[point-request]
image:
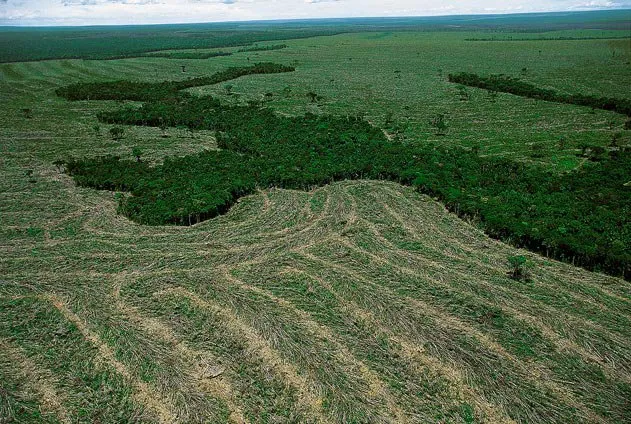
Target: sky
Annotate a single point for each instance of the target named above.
(99, 12)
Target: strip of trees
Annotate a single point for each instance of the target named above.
(147, 91)
(512, 85)
(257, 48)
(582, 217)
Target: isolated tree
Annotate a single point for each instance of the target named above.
(117, 133)
(463, 93)
(519, 268)
(228, 88)
(438, 122)
(97, 129)
(137, 152)
(313, 96)
(27, 112)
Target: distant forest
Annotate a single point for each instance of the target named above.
(21, 44)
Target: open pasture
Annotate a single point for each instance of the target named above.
(358, 301)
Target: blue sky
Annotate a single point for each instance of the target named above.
(95, 12)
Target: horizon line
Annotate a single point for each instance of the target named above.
(337, 18)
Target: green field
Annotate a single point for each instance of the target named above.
(357, 301)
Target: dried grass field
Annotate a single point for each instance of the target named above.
(356, 302)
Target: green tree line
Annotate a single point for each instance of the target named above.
(512, 85)
(581, 217)
(257, 48)
(145, 91)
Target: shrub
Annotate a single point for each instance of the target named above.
(438, 122)
(117, 133)
(519, 267)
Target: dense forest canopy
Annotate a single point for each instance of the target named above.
(101, 42)
(580, 216)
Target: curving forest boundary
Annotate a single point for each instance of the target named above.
(512, 85)
(145, 91)
(580, 217)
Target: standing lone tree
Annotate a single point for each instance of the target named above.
(117, 133)
(313, 96)
(438, 122)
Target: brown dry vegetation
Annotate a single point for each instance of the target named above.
(356, 302)
(359, 301)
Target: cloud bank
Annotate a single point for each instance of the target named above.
(98, 12)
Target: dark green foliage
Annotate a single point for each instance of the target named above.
(146, 91)
(189, 55)
(545, 38)
(257, 48)
(25, 44)
(582, 216)
(506, 84)
(117, 133)
(439, 124)
(518, 267)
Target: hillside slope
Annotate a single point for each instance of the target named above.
(357, 302)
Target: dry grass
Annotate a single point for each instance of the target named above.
(356, 302)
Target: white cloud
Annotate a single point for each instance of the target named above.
(82, 12)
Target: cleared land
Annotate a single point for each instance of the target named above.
(359, 301)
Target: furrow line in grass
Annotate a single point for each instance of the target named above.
(37, 379)
(310, 400)
(378, 388)
(561, 342)
(450, 322)
(145, 395)
(460, 388)
(566, 391)
(217, 386)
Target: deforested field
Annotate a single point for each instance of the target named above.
(354, 292)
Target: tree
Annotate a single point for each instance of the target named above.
(313, 96)
(137, 153)
(438, 122)
(519, 268)
(27, 112)
(117, 133)
(163, 127)
(463, 93)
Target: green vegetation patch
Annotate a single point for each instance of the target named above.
(144, 91)
(512, 85)
(516, 201)
(257, 48)
(189, 55)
